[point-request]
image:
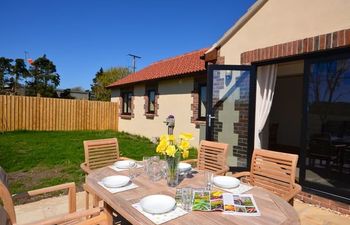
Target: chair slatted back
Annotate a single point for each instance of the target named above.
(100, 153)
(274, 171)
(7, 212)
(212, 156)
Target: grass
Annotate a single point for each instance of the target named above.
(36, 159)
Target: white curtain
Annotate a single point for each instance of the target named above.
(265, 88)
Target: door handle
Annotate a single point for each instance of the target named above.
(210, 117)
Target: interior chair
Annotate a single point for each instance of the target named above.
(274, 171)
(212, 156)
(99, 153)
(95, 216)
(321, 147)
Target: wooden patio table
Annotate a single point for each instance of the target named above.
(273, 209)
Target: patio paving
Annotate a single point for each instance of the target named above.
(309, 215)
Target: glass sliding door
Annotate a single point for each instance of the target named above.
(327, 141)
(228, 111)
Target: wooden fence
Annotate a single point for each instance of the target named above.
(35, 113)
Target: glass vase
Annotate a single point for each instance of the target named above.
(172, 172)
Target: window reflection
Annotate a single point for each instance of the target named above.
(328, 156)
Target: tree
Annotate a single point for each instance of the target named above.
(104, 78)
(43, 78)
(5, 69)
(66, 94)
(19, 71)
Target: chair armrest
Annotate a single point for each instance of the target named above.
(222, 172)
(97, 217)
(193, 162)
(189, 161)
(71, 193)
(296, 189)
(123, 158)
(85, 168)
(241, 174)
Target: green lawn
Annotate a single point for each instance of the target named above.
(37, 159)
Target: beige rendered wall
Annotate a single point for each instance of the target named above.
(174, 99)
(280, 21)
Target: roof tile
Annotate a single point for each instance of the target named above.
(171, 67)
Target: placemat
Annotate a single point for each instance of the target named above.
(238, 190)
(120, 189)
(161, 218)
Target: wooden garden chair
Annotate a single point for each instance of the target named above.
(274, 171)
(212, 156)
(99, 153)
(95, 216)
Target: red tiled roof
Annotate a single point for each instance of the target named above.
(171, 67)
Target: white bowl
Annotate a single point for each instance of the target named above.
(124, 164)
(183, 167)
(115, 181)
(157, 204)
(226, 181)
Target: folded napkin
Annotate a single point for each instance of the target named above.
(120, 170)
(238, 190)
(119, 189)
(161, 218)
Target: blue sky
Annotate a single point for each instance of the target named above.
(80, 36)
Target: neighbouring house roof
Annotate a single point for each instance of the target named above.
(238, 25)
(177, 66)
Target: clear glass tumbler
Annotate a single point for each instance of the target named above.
(208, 179)
(187, 198)
(132, 169)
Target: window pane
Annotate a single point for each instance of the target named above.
(151, 100)
(125, 103)
(129, 102)
(328, 157)
(203, 100)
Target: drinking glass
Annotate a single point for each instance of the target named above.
(208, 179)
(186, 198)
(145, 161)
(132, 169)
(155, 171)
(163, 167)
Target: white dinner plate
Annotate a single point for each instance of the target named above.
(183, 167)
(124, 164)
(115, 181)
(226, 181)
(157, 204)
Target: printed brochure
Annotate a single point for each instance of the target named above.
(229, 203)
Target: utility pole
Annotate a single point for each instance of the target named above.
(134, 57)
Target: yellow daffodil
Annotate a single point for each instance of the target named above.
(184, 145)
(186, 136)
(171, 150)
(163, 137)
(168, 145)
(162, 146)
(171, 137)
(185, 154)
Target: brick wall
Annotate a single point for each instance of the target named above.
(241, 127)
(195, 96)
(218, 84)
(307, 45)
(324, 202)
